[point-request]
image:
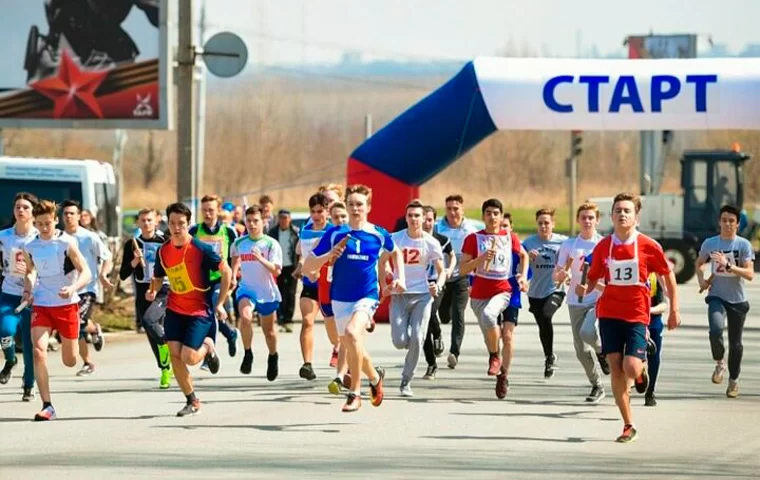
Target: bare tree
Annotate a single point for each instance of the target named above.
(153, 163)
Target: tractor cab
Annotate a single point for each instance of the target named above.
(710, 179)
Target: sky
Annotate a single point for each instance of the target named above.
(281, 32)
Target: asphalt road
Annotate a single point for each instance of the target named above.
(118, 424)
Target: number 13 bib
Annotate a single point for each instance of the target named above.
(624, 273)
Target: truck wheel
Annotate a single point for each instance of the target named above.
(684, 259)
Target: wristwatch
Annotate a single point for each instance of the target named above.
(728, 267)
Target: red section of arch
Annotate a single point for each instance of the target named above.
(389, 198)
(389, 195)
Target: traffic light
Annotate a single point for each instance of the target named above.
(667, 136)
(576, 142)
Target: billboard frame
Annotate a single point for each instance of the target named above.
(165, 120)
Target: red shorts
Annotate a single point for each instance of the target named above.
(64, 318)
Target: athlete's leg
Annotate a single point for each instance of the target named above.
(245, 308)
(653, 361)
(419, 318)
(400, 310)
(268, 322)
(40, 337)
(309, 309)
(736, 316)
(716, 315)
(26, 338)
(620, 387)
(181, 372)
(461, 295)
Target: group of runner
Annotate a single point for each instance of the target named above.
(615, 287)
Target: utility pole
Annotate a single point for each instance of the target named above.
(576, 148)
(185, 102)
(2, 143)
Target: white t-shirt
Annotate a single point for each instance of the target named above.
(54, 269)
(576, 248)
(256, 279)
(94, 251)
(14, 266)
(418, 254)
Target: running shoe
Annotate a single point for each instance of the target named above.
(406, 390)
(430, 373)
(87, 369)
(733, 388)
(353, 403)
(7, 372)
(550, 365)
(212, 360)
(642, 383)
(651, 347)
(438, 346)
(650, 400)
(336, 387)
(376, 391)
(334, 358)
(307, 372)
(47, 413)
(273, 368)
(502, 385)
(629, 434)
(232, 342)
(191, 408)
(28, 395)
(603, 363)
(98, 340)
(719, 372)
(596, 395)
(247, 365)
(453, 360)
(166, 378)
(494, 365)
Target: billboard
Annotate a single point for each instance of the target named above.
(662, 46)
(85, 64)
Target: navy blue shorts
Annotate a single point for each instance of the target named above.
(619, 336)
(327, 310)
(510, 315)
(189, 331)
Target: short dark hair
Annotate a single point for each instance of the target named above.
(337, 204)
(253, 210)
(415, 204)
(733, 210)
(492, 203)
(508, 216)
(628, 197)
(71, 203)
(180, 209)
(265, 199)
(429, 208)
(454, 198)
(545, 211)
(26, 196)
(318, 199)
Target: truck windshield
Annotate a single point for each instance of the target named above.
(108, 215)
(44, 190)
(726, 190)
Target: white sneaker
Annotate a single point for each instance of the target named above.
(453, 361)
(406, 390)
(719, 372)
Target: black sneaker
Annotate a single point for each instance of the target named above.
(438, 346)
(232, 343)
(596, 395)
(550, 365)
(603, 364)
(272, 368)
(642, 383)
(193, 408)
(98, 340)
(247, 365)
(651, 347)
(7, 372)
(307, 372)
(212, 360)
(430, 373)
(28, 395)
(650, 401)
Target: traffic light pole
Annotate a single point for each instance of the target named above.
(576, 149)
(185, 103)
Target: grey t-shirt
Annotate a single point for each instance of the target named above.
(726, 285)
(542, 285)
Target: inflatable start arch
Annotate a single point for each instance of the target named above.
(491, 94)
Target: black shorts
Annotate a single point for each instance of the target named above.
(510, 315)
(86, 304)
(546, 307)
(627, 338)
(310, 292)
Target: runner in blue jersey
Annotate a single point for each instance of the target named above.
(310, 236)
(355, 249)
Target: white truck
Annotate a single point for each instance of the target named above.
(681, 221)
(90, 182)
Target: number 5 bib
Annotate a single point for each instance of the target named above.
(179, 277)
(624, 273)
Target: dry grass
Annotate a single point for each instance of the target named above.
(286, 136)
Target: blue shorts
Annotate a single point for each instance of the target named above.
(619, 336)
(189, 331)
(262, 308)
(510, 315)
(327, 310)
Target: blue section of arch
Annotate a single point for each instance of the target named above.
(432, 134)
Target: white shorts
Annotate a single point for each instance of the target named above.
(343, 312)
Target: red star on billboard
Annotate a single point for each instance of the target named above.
(73, 90)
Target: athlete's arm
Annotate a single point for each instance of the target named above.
(127, 269)
(30, 278)
(158, 278)
(224, 289)
(298, 272)
(671, 289)
(522, 272)
(236, 266)
(442, 274)
(85, 275)
(470, 263)
(701, 262)
(273, 268)
(746, 271)
(399, 282)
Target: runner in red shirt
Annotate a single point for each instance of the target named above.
(189, 325)
(488, 253)
(623, 262)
